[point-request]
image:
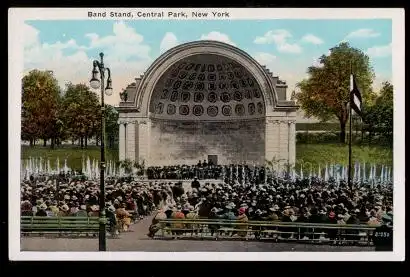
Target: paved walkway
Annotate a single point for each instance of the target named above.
(136, 240)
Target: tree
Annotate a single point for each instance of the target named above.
(378, 115)
(325, 94)
(40, 102)
(81, 112)
(111, 126)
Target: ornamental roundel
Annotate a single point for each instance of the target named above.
(240, 109)
(226, 66)
(222, 76)
(260, 107)
(212, 97)
(198, 67)
(223, 85)
(183, 110)
(250, 82)
(159, 108)
(234, 85)
(201, 77)
(189, 66)
(174, 72)
(192, 76)
(211, 68)
(182, 74)
(199, 86)
(211, 86)
(231, 76)
(212, 77)
(177, 84)
(171, 109)
(198, 110)
(198, 97)
(226, 110)
(185, 96)
(248, 94)
(174, 96)
(168, 82)
(187, 85)
(182, 65)
(251, 108)
(212, 111)
(165, 94)
(238, 73)
(225, 97)
(243, 83)
(237, 96)
(219, 67)
(256, 93)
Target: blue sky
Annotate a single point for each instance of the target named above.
(286, 47)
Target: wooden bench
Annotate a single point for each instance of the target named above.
(261, 230)
(60, 225)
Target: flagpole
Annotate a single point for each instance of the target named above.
(349, 172)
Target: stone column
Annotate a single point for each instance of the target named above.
(143, 146)
(292, 141)
(122, 141)
(136, 142)
(130, 149)
(271, 139)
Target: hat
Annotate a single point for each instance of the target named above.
(111, 208)
(43, 206)
(65, 208)
(242, 210)
(387, 218)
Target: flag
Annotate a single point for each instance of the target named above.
(355, 96)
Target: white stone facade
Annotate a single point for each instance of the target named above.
(271, 136)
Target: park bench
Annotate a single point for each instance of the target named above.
(41, 225)
(265, 230)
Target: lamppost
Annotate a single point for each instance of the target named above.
(95, 83)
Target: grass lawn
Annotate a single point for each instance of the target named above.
(73, 154)
(338, 154)
(313, 154)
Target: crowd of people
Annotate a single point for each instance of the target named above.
(206, 170)
(275, 199)
(283, 200)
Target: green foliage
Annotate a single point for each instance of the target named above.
(320, 126)
(111, 126)
(81, 111)
(127, 165)
(378, 115)
(326, 137)
(325, 94)
(40, 106)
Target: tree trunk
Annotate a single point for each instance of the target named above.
(342, 131)
(45, 142)
(31, 143)
(97, 141)
(82, 142)
(72, 141)
(52, 143)
(85, 141)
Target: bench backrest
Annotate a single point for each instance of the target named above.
(269, 224)
(61, 221)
